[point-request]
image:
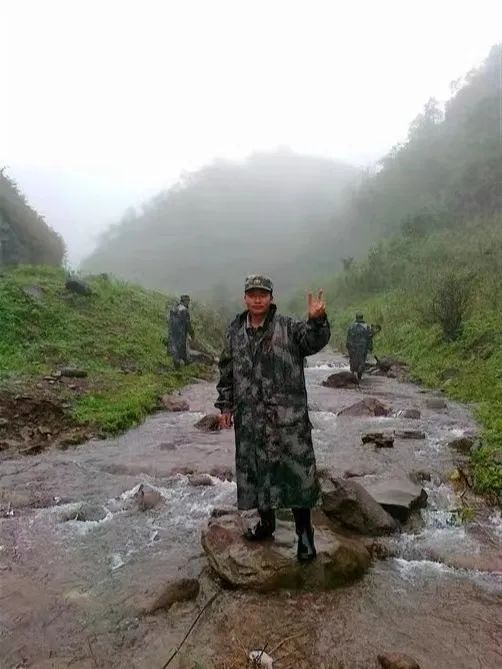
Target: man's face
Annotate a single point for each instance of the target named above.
(258, 301)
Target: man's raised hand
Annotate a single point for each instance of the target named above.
(316, 305)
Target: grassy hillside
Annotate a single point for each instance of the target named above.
(412, 286)
(115, 335)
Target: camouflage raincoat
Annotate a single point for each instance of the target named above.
(180, 326)
(359, 341)
(262, 382)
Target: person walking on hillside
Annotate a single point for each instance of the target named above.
(261, 391)
(180, 326)
(359, 342)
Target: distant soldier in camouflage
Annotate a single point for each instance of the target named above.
(262, 392)
(359, 342)
(180, 327)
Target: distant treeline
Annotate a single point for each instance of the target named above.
(24, 235)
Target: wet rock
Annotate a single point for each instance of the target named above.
(173, 403)
(409, 413)
(341, 380)
(419, 476)
(272, 565)
(220, 511)
(78, 287)
(209, 423)
(147, 498)
(369, 406)
(378, 439)
(201, 480)
(410, 434)
(350, 504)
(386, 364)
(182, 590)
(462, 445)
(436, 403)
(73, 373)
(356, 472)
(399, 497)
(33, 449)
(380, 548)
(397, 661)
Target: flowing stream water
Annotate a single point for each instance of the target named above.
(78, 555)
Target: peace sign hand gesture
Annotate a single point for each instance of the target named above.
(317, 305)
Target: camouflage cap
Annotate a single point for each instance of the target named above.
(185, 298)
(259, 282)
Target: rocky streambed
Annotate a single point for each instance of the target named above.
(101, 562)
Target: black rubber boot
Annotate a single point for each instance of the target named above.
(306, 548)
(264, 529)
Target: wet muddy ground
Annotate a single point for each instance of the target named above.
(82, 555)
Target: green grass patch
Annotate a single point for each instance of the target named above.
(117, 335)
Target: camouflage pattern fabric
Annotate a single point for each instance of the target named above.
(358, 344)
(262, 382)
(180, 327)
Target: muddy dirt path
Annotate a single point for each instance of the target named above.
(81, 558)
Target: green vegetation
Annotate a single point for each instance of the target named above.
(24, 235)
(432, 219)
(116, 335)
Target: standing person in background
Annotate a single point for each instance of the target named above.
(262, 392)
(180, 326)
(359, 340)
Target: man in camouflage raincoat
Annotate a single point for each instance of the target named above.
(359, 342)
(180, 326)
(262, 392)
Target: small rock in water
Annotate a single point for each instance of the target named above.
(462, 445)
(370, 406)
(436, 403)
(183, 590)
(209, 423)
(409, 413)
(410, 434)
(148, 498)
(379, 439)
(259, 658)
(397, 496)
(201, 480)
(420, 476)
(397, 661)
(351, 505)
(173, 403)
(341, 380)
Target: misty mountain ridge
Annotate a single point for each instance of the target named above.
(226, 220)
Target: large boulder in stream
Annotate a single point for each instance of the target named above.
(369, 406)
(349, 504)
(272, 565)
(399, 497)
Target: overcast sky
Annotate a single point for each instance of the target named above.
(105, 102)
